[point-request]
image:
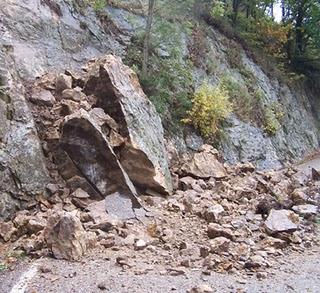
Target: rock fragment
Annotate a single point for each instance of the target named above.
(281, 221)
(214, 213)
(201, 289)
(43, 98)
(215, 230)
(204, 165)
(65, 236)
(119, 93)
(7, 229)
(306, 210)
(63, 82)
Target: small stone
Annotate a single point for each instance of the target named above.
(299, 197)
(80, 193)
(254, 262)
(107, 243)
(44, 269)
(185, 183)
(140, 244)
(261, 275)
(201, 289)
(219, 244)
(52, 188)
(63, 82)
(75, 94)
(43, 98)
(204, 251)
(176, 271)
(216, 230)
(102, 286)
(7, 229)
(214, 213)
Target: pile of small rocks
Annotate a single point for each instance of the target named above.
(223, 218)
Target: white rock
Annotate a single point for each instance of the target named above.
(282, 221)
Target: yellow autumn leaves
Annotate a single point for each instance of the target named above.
(210, 106)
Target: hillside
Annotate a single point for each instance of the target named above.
(161, 134)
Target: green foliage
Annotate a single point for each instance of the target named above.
(218, 9)
(271, 124)
(272, 118)
(97, 5)
(246, 100)
(210, 106)
(3, 267)
(168, 83)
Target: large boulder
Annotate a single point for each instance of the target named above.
(84, 141)
(119, 93)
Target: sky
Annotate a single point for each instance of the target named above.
(277, 11)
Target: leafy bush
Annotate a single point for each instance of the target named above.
(273, 117)
(210, 106)
(245, 99)
(97, 5)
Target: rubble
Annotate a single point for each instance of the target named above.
(103, 171)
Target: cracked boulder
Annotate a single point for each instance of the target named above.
(119, 93)
(85, 143)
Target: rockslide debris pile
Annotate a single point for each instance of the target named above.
(102, 139)
(100, 133)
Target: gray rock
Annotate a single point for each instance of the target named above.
(194, 142)
(306, 210)
(88, 148)
(22, 165)
(119, 93)
(44, 98)
(281, 221)
(214, 213)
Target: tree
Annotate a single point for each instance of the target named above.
(146, 43)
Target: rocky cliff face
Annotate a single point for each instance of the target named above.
(37, 37)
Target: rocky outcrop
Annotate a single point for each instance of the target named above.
(118, 92)
(22, 168)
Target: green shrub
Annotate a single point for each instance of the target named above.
(271, 123)
(210, 106)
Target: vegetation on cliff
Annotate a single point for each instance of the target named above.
(280, 36)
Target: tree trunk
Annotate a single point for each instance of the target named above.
(235, 8)
(146, 43)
